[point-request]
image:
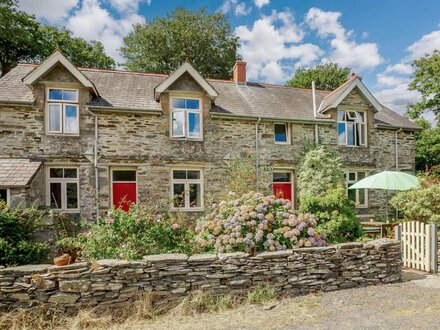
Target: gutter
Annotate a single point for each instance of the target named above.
(257, 165)
(95, 160)
(134, 110)
(315, 113)
(18, 102)
(381, 126)
(299, 121)
(397, 148)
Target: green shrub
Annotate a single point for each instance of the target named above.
(254, 222)
(17, 230)
(320, 168)
(334, 214)
(145, 229)
(421, 204)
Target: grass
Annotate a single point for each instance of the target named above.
(136, 312)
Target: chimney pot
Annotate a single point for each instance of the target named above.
(239, 72)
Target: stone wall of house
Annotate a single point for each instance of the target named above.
(142, 141)
(172, 276)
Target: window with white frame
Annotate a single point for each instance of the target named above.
(62, 111)
(4, 195)
(186, 118)
(187, 189)
(281, 133)
(63, 184)
(359, 196)
(352, 128)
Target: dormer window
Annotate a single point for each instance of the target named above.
(62, 115)
(352, 128)
(186, 118)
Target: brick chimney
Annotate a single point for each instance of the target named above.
(239, 74)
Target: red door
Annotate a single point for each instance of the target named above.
(124, 188)
(283, 190)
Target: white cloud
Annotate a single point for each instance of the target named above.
(344, 49)
(424, 45)
(93, 22)
(271, 47)
(52, 11)
(127, 6)
(239, 8)
(397, 98)
(261, 3)
(400, 68)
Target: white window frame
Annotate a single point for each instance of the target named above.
(121, 168)
(8, 195)
(357, 125)
(187, 182)
(186, 113)
(348, 181)
(288, 139)
(292, 181)
(63, 182)
(63, 105)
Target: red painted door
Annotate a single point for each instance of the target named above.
(283, 190)
(124, 194)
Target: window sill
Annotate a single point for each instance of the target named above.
(195, 209)
(348, 146)
(186, 139)
(62, 134)
(65, 211)
(282, 143)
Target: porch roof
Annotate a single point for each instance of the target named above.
(17, 172)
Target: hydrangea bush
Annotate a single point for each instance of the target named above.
(255, 222)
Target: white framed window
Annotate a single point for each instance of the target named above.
(359, 196)
(281, 133)
(62, 111)
(186, 118)
(282, 184)
(352, 128)
(63, 188)
(187, 189)
(5, 195)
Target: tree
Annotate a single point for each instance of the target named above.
(428, 149)
(426, 80)
(320, 168)
(163, 44)
(20, 36)
(327, 76)
(24, 39)
(79, 51)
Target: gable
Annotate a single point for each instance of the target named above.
(57, 58)
(188, 69)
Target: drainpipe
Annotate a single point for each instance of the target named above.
(95, 160)
(397, 148)
(314, 112)
(257, 165)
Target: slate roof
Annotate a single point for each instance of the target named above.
(135, 90)
(17, 172)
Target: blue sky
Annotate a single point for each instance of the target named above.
(377, 39)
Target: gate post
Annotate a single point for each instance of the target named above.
(434, 249)
(398, 232)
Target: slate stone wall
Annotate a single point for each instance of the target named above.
(173, 276)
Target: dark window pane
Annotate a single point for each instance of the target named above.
(352, 176)
(178, 103)
(193, 174)
(55, 195)
(280, 133)
(281, 177)
(361, 175)
(179, 195)
(195, 196)
(350, 134)
(55, 94)
(56, 172)
(341, 133)
(124, 175)
(72, 195)
(352, 194)
(194, 124)
(4, 195)
(70, 173)
(179, 174)
(192, 104)
(362, 199)
(69, 95)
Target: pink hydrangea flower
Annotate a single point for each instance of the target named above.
(110, 221)
(175, 226)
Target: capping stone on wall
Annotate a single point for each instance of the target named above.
(172, 276)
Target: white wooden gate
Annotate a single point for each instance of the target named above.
(417, 245)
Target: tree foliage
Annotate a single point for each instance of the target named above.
(327, 76)
(426, 80)
(428, 148)
(163, 44)
(24, 39)
(320, 168)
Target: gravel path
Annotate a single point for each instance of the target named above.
(413, 304)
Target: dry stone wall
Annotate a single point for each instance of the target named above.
(173, 276)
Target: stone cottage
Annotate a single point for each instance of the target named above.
(80, 140)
